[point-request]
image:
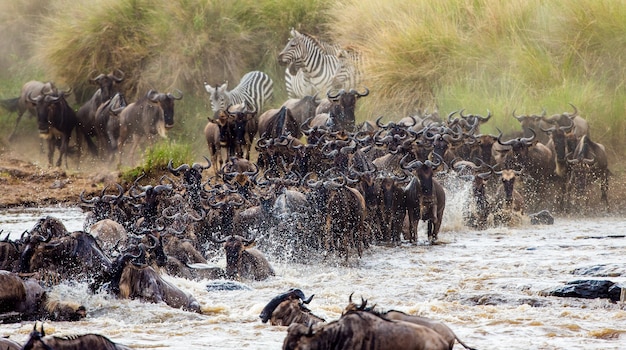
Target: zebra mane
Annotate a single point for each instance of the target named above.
(327, 48)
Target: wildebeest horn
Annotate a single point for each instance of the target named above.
(179, 97)
(334, 97)
(118, 78)
(528, 140)
(367, 92)
(199, 167)
(88, 201)
(451, 114)
(33, 100)
(575, 111)
(98, 77)
(153, 95)
(506, 143)
(176, 172)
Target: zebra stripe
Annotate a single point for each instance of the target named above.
(320, 66)
(254, 89)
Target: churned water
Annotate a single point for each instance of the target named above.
(486, 285)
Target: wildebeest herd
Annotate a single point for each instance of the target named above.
(322, 186)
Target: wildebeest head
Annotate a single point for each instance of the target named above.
(234, 246)
(166, 101)
(266, 314)
(346, 100)
(508, 176)
(107, 81)
(47, 107)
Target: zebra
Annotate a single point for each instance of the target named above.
(254, 89)
(315, 66)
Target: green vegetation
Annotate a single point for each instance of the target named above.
(156, 158)
(497, 55)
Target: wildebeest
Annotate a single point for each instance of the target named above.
(107, 84)
(21, 104)
(56, 121)
(339, 109)
(363, 330)
(288, 308)
(8, 344)
(131, 278)
(76, 255)
(107, 125)
(27, 300)
(212, 136)
(432, 197)
(274, 123)
(341, 211)
(9, 253)
(443, 330)
(589, 163)
(243, 261)
(39, 341)
(151, 115)
(302, 108)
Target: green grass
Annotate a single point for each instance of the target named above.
(156, 158)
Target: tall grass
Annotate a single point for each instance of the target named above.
(521, 55)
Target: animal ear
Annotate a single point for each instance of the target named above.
(208, 88)
(223, 86)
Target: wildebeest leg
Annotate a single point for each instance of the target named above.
(17, 122)
(63, 151)
(51, 146)
(414, 218)
(604, 187)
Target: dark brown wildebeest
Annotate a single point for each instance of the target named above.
(589, 163)
(27, 300)
(212, 136)
(245, 125)
(107, 126)
(363, 330)
(76, 256)
(151, 115)
(532, 122)
(243, 261)
(275, 123)
(56, 121)
(302, 108)
(443, 330)
(39, 341)
(21, 104)
(345, 103)
(341, 211)
(288, 308)
(580, 127)
(9, 253)
(132, 279)
(108, 87)
(507, 197)
(432, 197)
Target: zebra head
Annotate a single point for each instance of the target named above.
(293, 51)
(220, 98)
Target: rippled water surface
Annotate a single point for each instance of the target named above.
(484, 284)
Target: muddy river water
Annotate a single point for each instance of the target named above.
(486, 285)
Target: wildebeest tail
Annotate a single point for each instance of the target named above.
(10, 104)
